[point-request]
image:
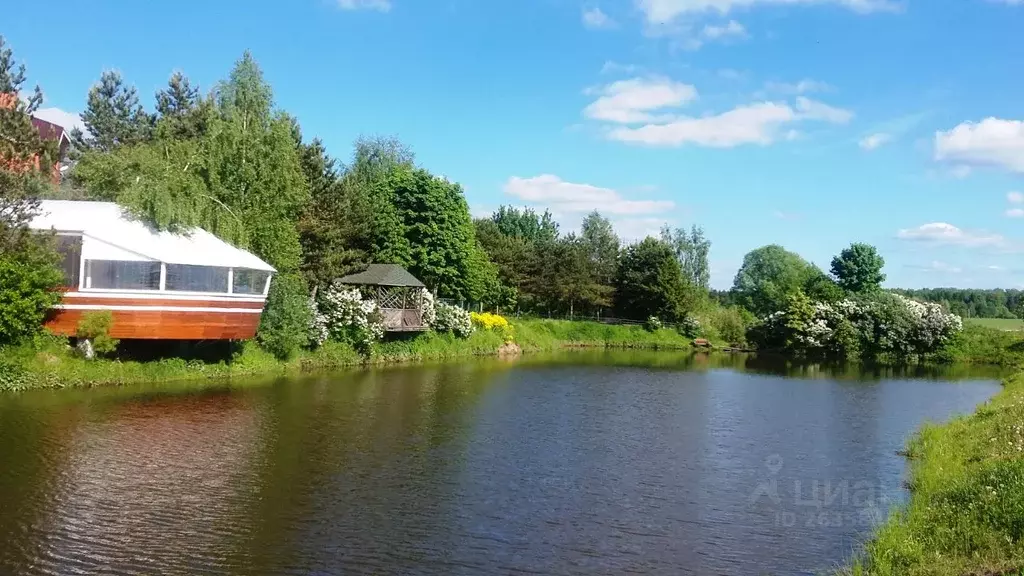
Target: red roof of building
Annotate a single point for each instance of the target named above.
(48, 130)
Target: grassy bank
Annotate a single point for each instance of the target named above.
(1014, 324)
(51, 365)
(978, 344)
(966, 510)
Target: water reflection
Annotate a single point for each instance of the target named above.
(590, 463)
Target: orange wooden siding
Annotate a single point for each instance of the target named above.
(179, 319)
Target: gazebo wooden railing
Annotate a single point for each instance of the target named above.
(398, 293)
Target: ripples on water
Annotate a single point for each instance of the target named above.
(604, 463)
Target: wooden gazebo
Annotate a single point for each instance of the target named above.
(398, 293)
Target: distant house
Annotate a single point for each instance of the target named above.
(158, 285)
(48, 131)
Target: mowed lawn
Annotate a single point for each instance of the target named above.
(998, 323)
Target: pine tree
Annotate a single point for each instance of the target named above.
(181, 112)
(113, 116)
(24, 156)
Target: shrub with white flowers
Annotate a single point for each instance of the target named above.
(886, 324)
(318, 330)
(350, 318)
(452, 319)
(428, 310)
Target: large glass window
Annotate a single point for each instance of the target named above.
(188, 278)
(123, 274)
(70, 250)
(248, 281)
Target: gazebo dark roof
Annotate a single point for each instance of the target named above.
(383, 275)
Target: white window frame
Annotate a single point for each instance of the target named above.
(85, 286)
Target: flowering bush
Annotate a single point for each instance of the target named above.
(653, 323)
(452, 319)
(428, 310)
(350, 318)
(689, 327)
(488, 321)
(888, 324)
(318, 329)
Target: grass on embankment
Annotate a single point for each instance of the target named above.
(966, 509)
(54, 366)
(1012, 324)
(978, 344)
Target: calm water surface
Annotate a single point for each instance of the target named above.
(609, 463)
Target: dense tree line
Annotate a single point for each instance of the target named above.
(229, 161)
(973, 303)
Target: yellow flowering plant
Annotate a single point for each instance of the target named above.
(494, 322)
(488, 321)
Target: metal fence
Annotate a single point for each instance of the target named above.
(611, 320)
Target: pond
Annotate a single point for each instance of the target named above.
(579, 463)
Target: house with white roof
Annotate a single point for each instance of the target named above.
(156, 284)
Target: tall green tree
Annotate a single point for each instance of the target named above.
(768, 276)
(24, 157)
(181, 112)
(28, 272)
(438, 230)
(113, 116)
(369, 184)
(324, 252)
(513, 258)
(573, 278)
(253, 165)
(858, 269)
(601, 245)
(242, 179)
(691, 248)
(650, 282)
(526, 223)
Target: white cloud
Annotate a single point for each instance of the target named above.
(991, 142)
(663, 11)
(611, 67)
(631, 229)
(960, 172)
(1015, 197)
(567, 197)
(638, 99)
(874, 141)
(760, 123)
(595, 19)
(947, 234)
(731, 29)
(689, 37)
(802, 87)
(1015, 212)
(378, 5)
(753, 124)
(814, 110)
(939, 266)
(66, 120)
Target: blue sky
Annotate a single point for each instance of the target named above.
(808, 123)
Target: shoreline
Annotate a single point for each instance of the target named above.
(965, 513)
(55, 368)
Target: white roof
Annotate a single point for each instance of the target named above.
(106, 229)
